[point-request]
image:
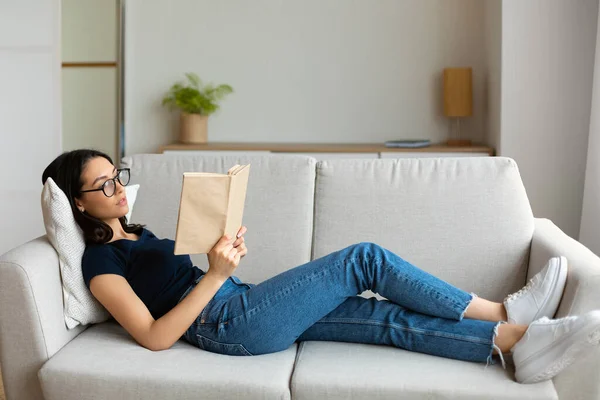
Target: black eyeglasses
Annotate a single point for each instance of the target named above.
(110, 185)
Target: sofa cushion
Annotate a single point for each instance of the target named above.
(333, 370)
(466, 220)
(278, 211)
(104, 362)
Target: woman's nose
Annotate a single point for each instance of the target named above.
(119, 188)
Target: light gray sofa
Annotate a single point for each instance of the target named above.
(467, 220)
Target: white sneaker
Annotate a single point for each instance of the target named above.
(541, 296)
(551, 345)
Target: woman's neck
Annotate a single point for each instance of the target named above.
(118, 231)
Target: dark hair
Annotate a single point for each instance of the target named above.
(66, 171)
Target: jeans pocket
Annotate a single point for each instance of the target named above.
(230, 349)
(239, 282)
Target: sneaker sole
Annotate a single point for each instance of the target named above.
(585, 339)
(548, 309)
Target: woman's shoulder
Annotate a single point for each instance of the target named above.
(97, 248)
(94, 251)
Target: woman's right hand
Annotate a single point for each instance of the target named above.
(223, 258)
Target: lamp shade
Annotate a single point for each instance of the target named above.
(458, 92)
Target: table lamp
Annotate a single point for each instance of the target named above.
(458, 101)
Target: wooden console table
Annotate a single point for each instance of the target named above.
(331, 150)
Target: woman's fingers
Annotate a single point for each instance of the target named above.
(242, 231)
(242, 250)
(238, 242)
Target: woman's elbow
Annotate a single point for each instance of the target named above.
(156, 346)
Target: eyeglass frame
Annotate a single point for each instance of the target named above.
(116, 178)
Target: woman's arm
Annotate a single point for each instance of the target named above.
(117, 296)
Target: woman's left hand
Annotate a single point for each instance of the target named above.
(239, 243)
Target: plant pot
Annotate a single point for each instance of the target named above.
(193, 128)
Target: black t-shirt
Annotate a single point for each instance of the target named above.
(157, 276)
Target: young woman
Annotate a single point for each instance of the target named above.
(159, 297)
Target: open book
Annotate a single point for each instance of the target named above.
(211, 206)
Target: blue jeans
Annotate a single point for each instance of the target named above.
(318, 301)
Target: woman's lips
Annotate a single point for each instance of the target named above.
(122, 202)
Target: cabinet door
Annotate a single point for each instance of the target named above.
(427, 155)
(89, 98)
(90, 102)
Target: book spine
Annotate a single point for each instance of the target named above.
(177, 249)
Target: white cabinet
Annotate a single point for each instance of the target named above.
(217, 152)
(400, 154)
(329, 156)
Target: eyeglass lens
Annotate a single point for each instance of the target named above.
(109, 186)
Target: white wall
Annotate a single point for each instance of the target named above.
(29, 112)
(590, 217)
(303, 71)
(547, 68)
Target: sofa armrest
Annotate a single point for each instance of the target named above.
(32, 327)
(582, 294)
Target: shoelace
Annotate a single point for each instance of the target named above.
(523, 290)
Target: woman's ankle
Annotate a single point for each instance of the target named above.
(486, 310)
(508, 335)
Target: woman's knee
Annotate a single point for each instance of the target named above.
(368, 246)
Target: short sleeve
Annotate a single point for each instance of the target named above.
(101, 259)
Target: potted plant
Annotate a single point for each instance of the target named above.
(196, 102)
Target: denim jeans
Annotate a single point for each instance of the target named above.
(318, 301)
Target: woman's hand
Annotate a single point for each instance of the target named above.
(240, 244)
(223, 258)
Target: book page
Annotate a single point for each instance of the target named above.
(237, 199)
(239, 168)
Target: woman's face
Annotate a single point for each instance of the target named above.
(97, 171)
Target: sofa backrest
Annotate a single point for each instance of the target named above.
(466, 220)
(278, 210)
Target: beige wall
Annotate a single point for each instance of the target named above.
(590, 217)
(547, 72)
(29, 113)
(303, 71)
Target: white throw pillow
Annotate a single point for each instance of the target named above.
(131, 193)
(80, 306)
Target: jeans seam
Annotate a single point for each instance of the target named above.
(240, 346)
(424, 285)
(409, 282)
(470, 339)
(286, 290)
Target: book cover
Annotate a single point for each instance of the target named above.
(211, 206)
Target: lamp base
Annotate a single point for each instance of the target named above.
(458, 142)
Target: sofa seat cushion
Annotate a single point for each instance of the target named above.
(334, 370)
(104, 362)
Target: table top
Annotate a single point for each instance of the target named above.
(325, 147)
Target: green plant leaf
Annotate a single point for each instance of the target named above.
(194, 80)
(194, 98)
